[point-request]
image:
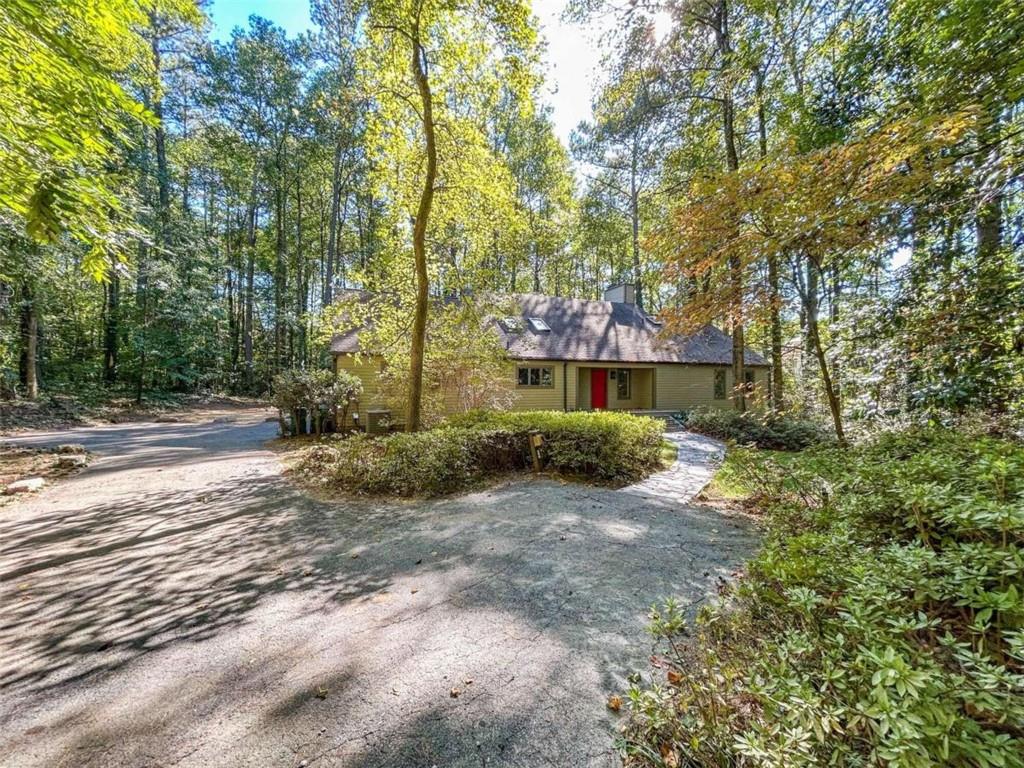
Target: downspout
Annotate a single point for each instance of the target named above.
(565, 386)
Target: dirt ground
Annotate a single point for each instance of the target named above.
(55, 411)
(181, 603)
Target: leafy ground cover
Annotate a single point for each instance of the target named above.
(763, 429)
(882, 623)
(609, 448)
(736, 480)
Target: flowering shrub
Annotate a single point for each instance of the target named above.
(882, 623)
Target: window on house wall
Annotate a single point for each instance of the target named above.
(721, 392)
(535, 376)
(748, 380)
(624, 384)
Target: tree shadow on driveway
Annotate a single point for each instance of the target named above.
(198, 626)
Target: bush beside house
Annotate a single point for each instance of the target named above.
(763, 429)
(614, 448)
(321, 397)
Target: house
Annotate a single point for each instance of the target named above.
(575, 354)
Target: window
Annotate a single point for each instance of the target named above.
(535, 376)
(539, 325)
(720, 388)
(748, 380)
(622, 382)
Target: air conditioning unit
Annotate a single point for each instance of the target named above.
(378, 421)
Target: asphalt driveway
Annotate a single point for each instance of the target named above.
(179, 603)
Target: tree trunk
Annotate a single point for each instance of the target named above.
(280, 275)
(826, 377)
(989, 222)
(811, 305)
(247, 299)
(159, 134)
(774, 294)
(111, 326)
(634, 212)
(332, 237)
(732, 160)
(300, 272)
(419, 237)
(778, 398)
(29, 342)
(229, 293)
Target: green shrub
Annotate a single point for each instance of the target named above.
(605, 447)
(765, 430)
(320, 394)
(882, 623)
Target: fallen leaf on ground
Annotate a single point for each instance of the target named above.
(674, 677)
(468, 681)
(454, 693)
(321, 692)
(614, 703)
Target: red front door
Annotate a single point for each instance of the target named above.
(598, 387)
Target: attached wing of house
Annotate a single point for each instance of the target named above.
(576, 354)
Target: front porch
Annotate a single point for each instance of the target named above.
(627, 388)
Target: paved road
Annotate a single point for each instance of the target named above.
(179, 603)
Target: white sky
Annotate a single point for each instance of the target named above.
(573, 55)
(573, 66)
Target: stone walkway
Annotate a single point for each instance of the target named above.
(697, 457)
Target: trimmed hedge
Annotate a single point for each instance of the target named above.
(765, 430)
(614, 448)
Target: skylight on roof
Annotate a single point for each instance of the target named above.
(539, 325)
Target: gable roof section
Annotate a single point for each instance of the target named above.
(595, 331)
(605, 331)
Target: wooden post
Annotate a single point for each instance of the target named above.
(536, 441)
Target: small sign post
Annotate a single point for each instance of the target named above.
(536, 441)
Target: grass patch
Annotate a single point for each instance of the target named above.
(669, 452)
(737, 477)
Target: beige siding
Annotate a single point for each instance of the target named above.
(640, 396)
(539, 398)
(689, 386)
(665, 387)
(639, 391)
(367, 368)
(583, 388)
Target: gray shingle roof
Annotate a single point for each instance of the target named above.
(595, 331)
(605, 331)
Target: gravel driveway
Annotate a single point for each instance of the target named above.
(180, 604)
